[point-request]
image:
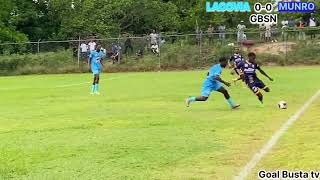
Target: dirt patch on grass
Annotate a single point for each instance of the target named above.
(274, 48)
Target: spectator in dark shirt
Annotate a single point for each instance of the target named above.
(128, 45)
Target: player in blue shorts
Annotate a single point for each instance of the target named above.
(250, 77)
(214, 83)
(95, 62)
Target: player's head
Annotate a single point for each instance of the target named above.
(236, 50)
(98, 48)
(252, 57)
(223, 62)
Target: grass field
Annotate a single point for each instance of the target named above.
(139, 128)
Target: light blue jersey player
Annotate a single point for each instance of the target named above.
(95, 62)
(214, 83)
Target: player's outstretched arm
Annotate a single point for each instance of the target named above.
(265, 74)
(218, 78)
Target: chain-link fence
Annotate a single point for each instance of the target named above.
(276, 46)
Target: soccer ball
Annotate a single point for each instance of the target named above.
(282, 105)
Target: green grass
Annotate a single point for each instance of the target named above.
(139, 128)
(299, 148)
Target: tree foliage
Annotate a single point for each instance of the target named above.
(22, 20)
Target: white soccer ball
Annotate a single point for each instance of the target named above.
(283, 105)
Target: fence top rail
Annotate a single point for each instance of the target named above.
(161, 35)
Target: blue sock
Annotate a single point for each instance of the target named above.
(93, 87)
(96, 89)
(192, 99)
(230, 102)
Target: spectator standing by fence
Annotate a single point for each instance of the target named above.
(210, 32)
(222, 32)
(198, 36)
(84, 50)
(115, 49)
(292, 26)
(128, 45)
(262, 32)
(154, 38)
(92, 45)
(274, 33)
(241, 28)
(302, 34)
(312, 25)
(268, 32)
(284, 30)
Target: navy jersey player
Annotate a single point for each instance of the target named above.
(214, 83)
(95, 62)
(250, 77)
(236, 59)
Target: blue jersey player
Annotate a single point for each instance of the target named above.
(250, 77)
(214, 83)
(95, 62)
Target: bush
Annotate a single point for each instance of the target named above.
(58, 62)
(176, 56)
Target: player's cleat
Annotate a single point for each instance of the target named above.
(91, 93)
(97, 93)
(236, 106)
(188, 102)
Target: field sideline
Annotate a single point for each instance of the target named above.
(139, 128)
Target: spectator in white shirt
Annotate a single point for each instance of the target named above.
(154, 38)
(285, 27)
(312, 24)
(84, 50)
(222, 32)
(92, 45)
(262, 31)
(241, 27)
(268, 32)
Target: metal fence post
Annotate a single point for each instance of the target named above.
(286, 56)
(39, 45)
(159, 64)
(119, 49)
(159, 40)
(200, 44)
(79, 51)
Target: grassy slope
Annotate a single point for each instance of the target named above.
(138, 128)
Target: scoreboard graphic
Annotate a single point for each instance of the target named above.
(262, 13)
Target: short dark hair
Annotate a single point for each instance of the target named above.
(223, 59)
(251, 54)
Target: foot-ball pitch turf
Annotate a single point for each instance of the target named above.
(139, 128)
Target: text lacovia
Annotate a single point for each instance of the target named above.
(231, 6)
